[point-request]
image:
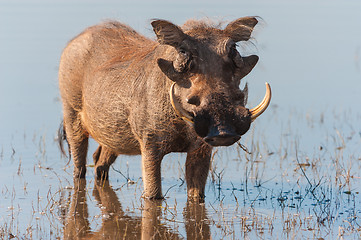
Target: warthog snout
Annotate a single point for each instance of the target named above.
(226, 130)
(224, 137)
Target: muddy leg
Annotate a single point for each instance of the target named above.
(78, 140)
(151, 163)
(103, 158)
(197, 168)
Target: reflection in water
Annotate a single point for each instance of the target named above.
(197, 226)
(117, 225)
(77, 225)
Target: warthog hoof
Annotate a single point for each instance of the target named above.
(102, 172)
(194, 195)
(79, 172)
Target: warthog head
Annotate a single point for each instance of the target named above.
(206, 69)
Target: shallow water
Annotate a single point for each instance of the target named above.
(309, 53)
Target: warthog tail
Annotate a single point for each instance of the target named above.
(61, 139)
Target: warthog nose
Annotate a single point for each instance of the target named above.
(215, 138)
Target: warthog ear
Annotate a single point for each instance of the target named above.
(248, 64)
(241, 29)
(168, 33)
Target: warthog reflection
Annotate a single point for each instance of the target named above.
(118, 225)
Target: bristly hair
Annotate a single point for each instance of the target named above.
(202, 29)
(208, 27)
(125, 44)
(203, 23)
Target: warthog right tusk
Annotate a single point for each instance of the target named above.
(178, 108)
(257, 111)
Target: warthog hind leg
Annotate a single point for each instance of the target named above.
(78, 140)
(103, 158)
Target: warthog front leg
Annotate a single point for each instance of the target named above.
(103, 158)
(151, 164)
(197, 168)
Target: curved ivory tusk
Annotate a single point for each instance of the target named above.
(178, 108)
(257, 111)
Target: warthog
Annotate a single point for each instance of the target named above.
(134, 96)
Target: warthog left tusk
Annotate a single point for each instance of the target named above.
(178, 108)
(257, 111)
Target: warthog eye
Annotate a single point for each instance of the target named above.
(183, 52)
(235, 56)
(239, 98)
(233, 51)
(182, 62)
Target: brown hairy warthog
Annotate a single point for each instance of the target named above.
(138, 96)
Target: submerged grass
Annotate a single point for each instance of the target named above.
(300, 180)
